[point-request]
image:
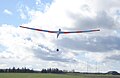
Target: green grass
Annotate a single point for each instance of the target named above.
(39, 75)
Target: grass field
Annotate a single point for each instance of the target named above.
(38, 75)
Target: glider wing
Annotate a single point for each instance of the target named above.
(59, 31)
(79, 31)
(39, 29)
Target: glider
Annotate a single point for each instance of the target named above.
(59, 31)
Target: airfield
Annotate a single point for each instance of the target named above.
(42, 75)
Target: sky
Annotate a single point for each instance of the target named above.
(92, 52)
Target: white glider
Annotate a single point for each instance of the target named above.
(59, 31)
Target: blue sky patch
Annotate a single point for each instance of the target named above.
(10, 14)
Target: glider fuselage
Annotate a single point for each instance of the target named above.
(58, 33)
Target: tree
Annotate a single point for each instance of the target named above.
(113, 72)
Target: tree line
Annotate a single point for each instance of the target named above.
(27, 70)
(53, 70)
(50, 70)
(17, 70)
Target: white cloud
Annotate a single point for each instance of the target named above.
(76, 14)
(23, 47)
(23, 11)
(38, 2)
(7, 12)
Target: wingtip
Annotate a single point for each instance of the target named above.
(20, 26)
(98, 30)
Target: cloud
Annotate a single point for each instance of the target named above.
(46, 54)
(85, 15)
(114, 57)
(21, 46)
(38, 2)
(92, 44)
(22, 10)
(7, 12)
(101, 20)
